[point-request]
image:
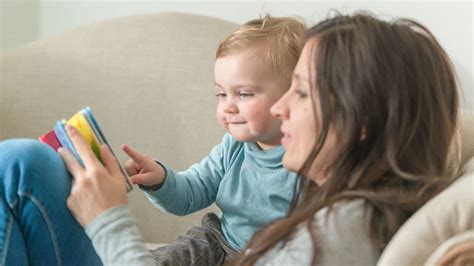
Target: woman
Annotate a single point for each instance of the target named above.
(367, 124)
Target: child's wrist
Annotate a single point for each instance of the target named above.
(157, 186)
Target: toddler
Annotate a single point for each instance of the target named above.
(243, 174)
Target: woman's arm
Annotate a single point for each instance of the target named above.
(117, 240)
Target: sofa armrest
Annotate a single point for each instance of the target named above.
(448, 214)
(458, 250)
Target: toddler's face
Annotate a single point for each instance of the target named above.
(246, 89)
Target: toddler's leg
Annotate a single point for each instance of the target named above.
(36, 226)
(203, 245)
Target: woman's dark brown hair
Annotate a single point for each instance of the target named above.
(390, 92)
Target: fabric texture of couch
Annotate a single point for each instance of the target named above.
(148, 79)
(440, 225)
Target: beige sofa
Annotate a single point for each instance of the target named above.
(148, 79)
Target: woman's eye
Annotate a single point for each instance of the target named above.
(301, 94)
(220, 95)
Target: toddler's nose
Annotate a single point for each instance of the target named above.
(230, 107)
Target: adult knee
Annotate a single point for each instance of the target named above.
(25, 151)
(28, 165)
(28, 156)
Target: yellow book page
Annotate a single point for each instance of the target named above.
(80, 123)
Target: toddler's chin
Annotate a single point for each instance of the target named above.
(243, 137)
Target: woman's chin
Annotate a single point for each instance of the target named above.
(289, 164)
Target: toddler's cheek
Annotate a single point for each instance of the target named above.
(222, 123)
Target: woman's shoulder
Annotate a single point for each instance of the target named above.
(343, 238)
(342, 216)
(347, 210)
(344, 234)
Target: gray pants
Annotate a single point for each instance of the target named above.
(201, 245)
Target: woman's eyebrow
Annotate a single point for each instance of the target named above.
(300, 79)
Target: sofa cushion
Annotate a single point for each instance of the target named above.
(448, 214)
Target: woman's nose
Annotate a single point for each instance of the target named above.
(279, 110)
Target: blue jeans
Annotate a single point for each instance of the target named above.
(36, 227)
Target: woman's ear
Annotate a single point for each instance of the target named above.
(453, 161)
(363, 133)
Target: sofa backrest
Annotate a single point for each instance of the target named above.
(148, 80)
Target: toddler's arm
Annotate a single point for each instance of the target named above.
(191, 190)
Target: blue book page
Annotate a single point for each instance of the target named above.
(87, 113)
(64, 139)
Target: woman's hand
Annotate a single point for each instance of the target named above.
(95, 187)
(143, 169)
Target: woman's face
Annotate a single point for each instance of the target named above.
(300, 123)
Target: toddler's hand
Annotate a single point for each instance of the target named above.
(143, 169)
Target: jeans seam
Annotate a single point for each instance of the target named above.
(8, 233)
(7, 240)
(48, 223)
(13, 204)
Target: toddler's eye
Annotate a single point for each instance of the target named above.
(243, 95)
(220, 95)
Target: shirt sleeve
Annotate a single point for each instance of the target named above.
(194, 189)
(342, 239)
(116, 238)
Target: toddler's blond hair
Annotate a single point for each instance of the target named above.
(279, 38)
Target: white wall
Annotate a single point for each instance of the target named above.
(18, 23)
(450, 21)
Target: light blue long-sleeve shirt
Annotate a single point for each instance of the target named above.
(248, 184)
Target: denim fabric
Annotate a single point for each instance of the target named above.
(36, 227)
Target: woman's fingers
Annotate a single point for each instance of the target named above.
(82, 148)
(72, 164)
(109, 161)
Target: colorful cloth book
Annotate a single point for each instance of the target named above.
(87, 125)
